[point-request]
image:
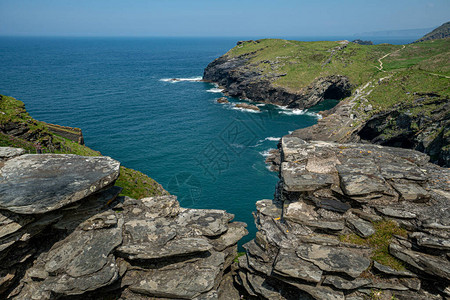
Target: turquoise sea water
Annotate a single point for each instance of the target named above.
(116, 90)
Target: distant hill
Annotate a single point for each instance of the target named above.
(396, 33)
(441, 32)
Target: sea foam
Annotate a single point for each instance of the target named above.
(175, 80)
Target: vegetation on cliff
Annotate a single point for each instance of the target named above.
(422, 67)
(399, 94)
(19, 129)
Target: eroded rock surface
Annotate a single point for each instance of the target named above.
(77, 238)
(317, 238)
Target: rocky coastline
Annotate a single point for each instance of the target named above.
(350, 220)
(241, 79)
(423, 124)
(65, 233)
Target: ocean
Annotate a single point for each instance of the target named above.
(119, 92)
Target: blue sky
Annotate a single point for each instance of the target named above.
(216, 18)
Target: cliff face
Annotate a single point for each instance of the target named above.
(351, 221)
(393, 95)
(65, 233)
(423, 125)
(242, 78)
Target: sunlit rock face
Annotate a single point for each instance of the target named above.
(65, 231)
(348, 219)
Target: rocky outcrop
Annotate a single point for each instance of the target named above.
(242, 79)
(222, 100)
(351, 221)
(71, 133)
(66, 233)
(426, 130)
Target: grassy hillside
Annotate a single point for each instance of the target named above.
(407, 71)
(13, 115)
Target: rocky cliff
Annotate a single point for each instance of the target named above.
(65, 233)
(423, 125)
(351, 221)
(242, 77)
(391, 95)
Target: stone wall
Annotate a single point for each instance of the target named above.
(72, 133)
(65, 233)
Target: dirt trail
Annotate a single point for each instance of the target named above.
(380, 60)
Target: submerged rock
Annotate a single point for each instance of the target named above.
(247, 106)
(222, 100)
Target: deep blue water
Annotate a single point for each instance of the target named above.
(208, 154)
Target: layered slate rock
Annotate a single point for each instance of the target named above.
(33, 184)
(82, 262)
(84, 241)
(317, 236)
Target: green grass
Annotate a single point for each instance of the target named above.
(10, 141)
(415, 68)
(430, 56)
(134, 183)
(406, 86)
(304, 61)
(239, 254)
(379, 242)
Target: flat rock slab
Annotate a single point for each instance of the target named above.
(362, 228)
(209, 223)
(344, 284)
(33, 183)
(180, 247)
(332, 259)
(297, 179)
(388, 270)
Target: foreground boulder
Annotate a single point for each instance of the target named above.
(32, 184)
(75, 237)
(351, 221)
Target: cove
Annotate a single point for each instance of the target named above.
(116, 90)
